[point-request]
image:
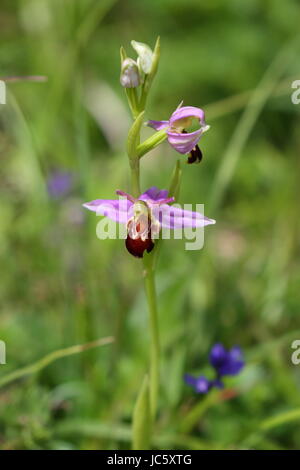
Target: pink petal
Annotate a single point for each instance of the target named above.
(119, 210)
(174, 217)
(154, 194)
(158, 125)
(184, 143)
(187, 112)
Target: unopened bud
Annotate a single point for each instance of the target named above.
(130, 77)
(145, 56)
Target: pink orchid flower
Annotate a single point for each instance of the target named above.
(145, 216)
(182, 141)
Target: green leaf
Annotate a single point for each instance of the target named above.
(53, 356)
(142, 419)
(280, 419)
(123, 54)
(155, 61)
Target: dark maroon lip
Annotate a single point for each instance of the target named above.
(138, 245)
(195, 155)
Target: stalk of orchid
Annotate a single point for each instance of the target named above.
(146, 214)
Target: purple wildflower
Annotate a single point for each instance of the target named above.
(145, 216)
(224, 362)
(59, 183)
(182, 141)
(201, 384)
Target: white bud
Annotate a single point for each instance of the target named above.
(145, 55)
(130, 77)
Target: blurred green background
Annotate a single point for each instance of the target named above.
(62, 286)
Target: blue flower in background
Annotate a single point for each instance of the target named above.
(59, 184)
(201, 384)
(224, 362)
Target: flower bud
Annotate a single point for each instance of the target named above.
(145, 56)
(130, 77)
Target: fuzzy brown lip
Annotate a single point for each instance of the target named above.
(195, 155)
(137, 246)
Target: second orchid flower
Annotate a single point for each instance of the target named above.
(176, 127)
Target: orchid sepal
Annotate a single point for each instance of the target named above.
(145, 56)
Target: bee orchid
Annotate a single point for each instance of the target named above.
(179, 138)
(145, 216)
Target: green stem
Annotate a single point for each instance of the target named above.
(140, 414)
(144, 94)
(132, 101)
(152, 142)
(154, 332)
(135, 178)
